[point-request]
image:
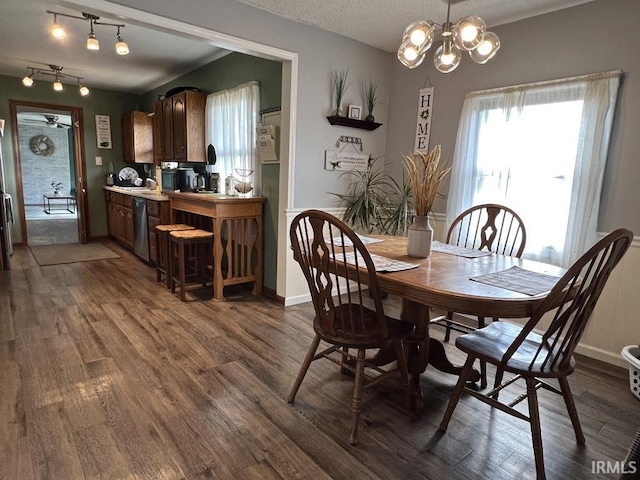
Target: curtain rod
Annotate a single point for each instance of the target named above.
(545, 83)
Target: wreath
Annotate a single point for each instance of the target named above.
(42, 145)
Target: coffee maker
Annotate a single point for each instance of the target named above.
(200, 181)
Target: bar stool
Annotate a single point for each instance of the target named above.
(162, 248)
(201, 244)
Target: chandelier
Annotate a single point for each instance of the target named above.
(467, 34)
(55, 71)
(58, 32)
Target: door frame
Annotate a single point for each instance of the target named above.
(77, 123)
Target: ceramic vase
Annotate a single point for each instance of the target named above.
(419, 237)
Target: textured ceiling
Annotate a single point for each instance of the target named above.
(380, 23)
(158, 57)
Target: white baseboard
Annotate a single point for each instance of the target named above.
(602, 355)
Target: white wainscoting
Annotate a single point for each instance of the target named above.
(616, 319)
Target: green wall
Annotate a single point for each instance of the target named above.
(228, 72)
(98, 102)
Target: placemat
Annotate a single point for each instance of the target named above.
(458, 251)
(382, 264)
(519, 280)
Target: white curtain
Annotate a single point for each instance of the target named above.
(540, 149)
(231, 121)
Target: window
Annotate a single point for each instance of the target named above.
(231, 121)
(541, 150)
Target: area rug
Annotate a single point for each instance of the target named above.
(71, 253)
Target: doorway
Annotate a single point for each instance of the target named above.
(48, 143)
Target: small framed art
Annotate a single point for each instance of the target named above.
(355, 111)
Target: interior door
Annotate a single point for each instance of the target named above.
(77, 162)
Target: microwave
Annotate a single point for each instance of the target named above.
(175, 180)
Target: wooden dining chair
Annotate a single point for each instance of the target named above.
(538, 357)
(491, 227)
(322, 245)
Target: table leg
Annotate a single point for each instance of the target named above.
(421, 351)
(218, 281)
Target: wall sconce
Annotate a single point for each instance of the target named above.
(56, 72)
(58, 32)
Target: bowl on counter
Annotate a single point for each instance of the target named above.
(243, 187)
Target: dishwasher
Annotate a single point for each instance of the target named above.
(140, 228)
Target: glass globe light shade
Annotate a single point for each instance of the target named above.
(92, 42)
(447, 57)
(487, 49)
(420, 34)
(57, 86)
(468, 32)
(27, 81)
(122, 48)
(409, 56)
(84, 91)
(57, 31)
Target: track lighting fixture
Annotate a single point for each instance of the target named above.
(58, 32)
(121, 47)
(56, 72)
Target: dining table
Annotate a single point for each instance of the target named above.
(447, 281)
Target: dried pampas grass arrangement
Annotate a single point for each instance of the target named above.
(425, 177)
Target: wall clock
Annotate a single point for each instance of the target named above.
(42, 145)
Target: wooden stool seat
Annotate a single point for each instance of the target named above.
(162, 246)
(200, 243)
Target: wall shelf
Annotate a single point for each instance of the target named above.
(353, 123)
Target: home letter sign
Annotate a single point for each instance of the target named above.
(423, 129)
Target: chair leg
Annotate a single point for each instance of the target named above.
(498, 381)
(483, 365)
(447, 333)
(536, 434)
(172, 266)
(571, 408)
(404, 372)
(457, 393)
(303, 369)
(356, 401)
(182, 268)
(344, 362)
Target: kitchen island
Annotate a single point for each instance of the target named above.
(237, 225)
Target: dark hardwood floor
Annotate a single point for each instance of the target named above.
(106, 375)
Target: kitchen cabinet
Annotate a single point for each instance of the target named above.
(120, 218)
(137, 138)
(157, 214)
(158, 133)
(179, 121)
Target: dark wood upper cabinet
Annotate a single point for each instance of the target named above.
(137, 137)
(158, 137)
(181, 127)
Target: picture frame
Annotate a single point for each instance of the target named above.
(355, 112)
(103, 131)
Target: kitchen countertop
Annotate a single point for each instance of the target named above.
(215, 197)
(142, 192)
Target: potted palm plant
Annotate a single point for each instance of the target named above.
(375, 202)
(425, 176)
